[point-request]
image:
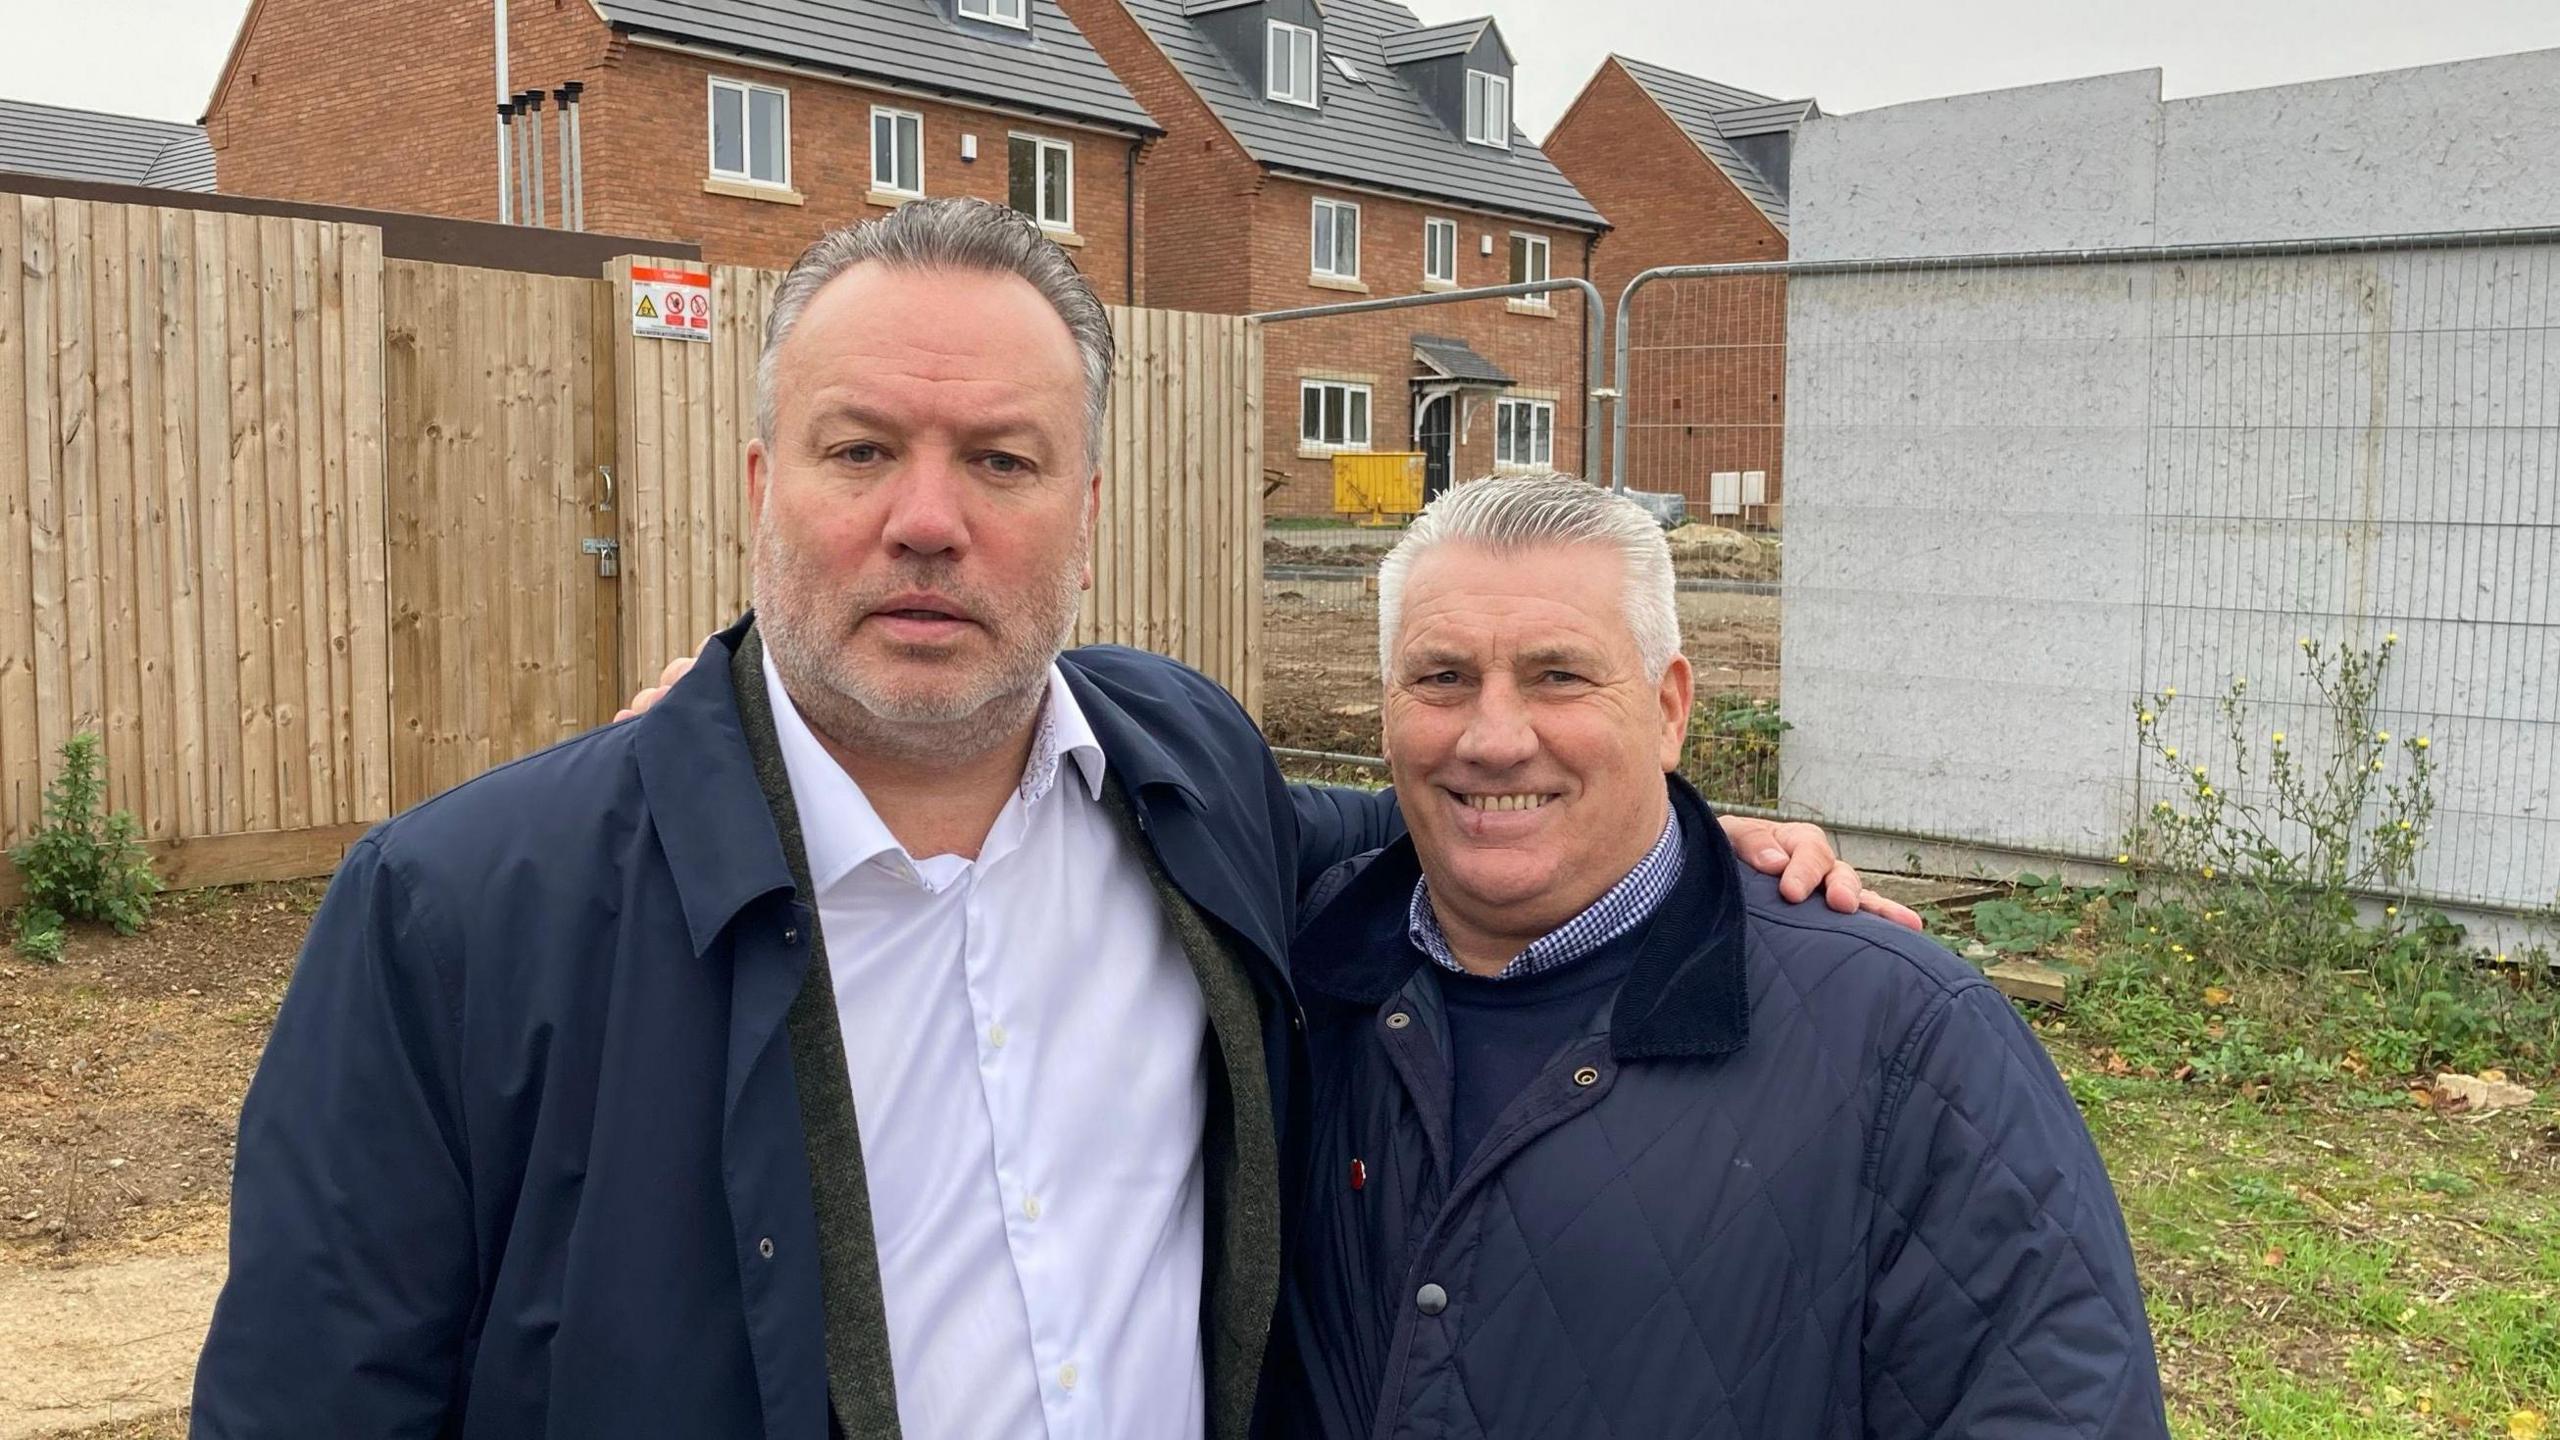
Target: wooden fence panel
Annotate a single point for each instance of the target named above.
(182, 413)
(1177, 546)
(494, 483)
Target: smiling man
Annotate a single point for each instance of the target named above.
(1606, 1139)
(890, 1032)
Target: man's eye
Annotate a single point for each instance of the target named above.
(860, 452)
(1438, 678)
(1008, 464)
(1561, 677)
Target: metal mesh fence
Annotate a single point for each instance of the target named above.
(2027, 500)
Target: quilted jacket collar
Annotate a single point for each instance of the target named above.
(1685, 998)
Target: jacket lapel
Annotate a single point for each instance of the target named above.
(860, 1381)
(1240, 1152)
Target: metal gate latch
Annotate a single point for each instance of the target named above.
(608, 555)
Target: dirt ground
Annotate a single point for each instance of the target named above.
(121, 1074)
(1320, 667)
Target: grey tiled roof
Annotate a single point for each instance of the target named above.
(1457, 360)
(117, 149)
(1432, 42)
(1375, 132)
(1053, 69)
(1715, 116)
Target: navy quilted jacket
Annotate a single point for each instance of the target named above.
(1807, 1176)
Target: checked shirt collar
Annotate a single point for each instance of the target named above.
(1628, 904)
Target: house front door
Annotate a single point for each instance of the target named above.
(1438, 442)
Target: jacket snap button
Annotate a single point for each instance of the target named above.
(764, 1247)
(1399, 1020)
(791, 935)
(1586, 1076)
(1431, 1300)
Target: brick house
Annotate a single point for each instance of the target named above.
(1691, 172)
(750, 130)
(1317, 153)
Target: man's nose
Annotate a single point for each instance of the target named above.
(1499, 733)
(927, 514)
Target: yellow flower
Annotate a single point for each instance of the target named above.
(2304, 642)
(2146, 717)
(2377, 764)
(2382, 737)
(2391, 639)
(2391, 910)
(2404, 824)
(2199, 772)
(2279, 737)
(2208, 872)
(2170, 753)
(2240, 684)
(2124, 859)
(2207, 792)
(2420, 742)
(2169, 694)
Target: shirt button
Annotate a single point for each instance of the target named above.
(1399, 1020)
(1066, 1377)
(1030, 1207)
(790, 934)
(1431, 1300)
(764, 1247)
(995, 1037)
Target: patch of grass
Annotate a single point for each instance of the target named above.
(1732, 754)
(2326, 1271)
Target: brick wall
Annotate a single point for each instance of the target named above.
(420, 135)
(1194, 181)
(1542, 351)
(1706, 382)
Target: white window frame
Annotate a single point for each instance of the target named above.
(1281, 32)
(985, 10)
(1349, 388)
(1541, 435)
(1487, 122)
(891, 187)
(746, 92)
(1432, 225)
(1544, 248)
(1328, 265)
(1043, 145)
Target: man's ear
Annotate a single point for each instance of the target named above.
(759, 475)
(1092, 521)
(1677, 689)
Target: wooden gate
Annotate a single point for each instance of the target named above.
(505, 633)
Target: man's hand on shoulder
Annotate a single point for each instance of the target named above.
(676, 670)
(1801, 856)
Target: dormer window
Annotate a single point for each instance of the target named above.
(1291, 66)
(1488, 110)
(1000, 12)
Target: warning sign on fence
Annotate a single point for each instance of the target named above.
(670, 304)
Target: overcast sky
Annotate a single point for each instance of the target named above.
(159, 57)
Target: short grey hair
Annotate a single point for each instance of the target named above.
(952, 234)
(1508, 513)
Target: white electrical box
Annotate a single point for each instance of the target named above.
(1755, 487)
(968, 147)
(1724, 493)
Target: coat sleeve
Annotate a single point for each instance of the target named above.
(352, 1259)
(2002, 1303)
(1336, 822)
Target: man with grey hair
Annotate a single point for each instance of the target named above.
(890, 1032)
(1605, 1138)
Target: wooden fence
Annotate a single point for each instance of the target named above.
(191, 518)
(303, 534)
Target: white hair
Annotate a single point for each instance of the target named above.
(1510, 513)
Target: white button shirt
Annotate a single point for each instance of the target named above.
(1024, 1036)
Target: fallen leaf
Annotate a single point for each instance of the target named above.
(2526, 1425)
(2217, 996)
(2273, 1258)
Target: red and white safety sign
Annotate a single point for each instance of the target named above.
(670, 304)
